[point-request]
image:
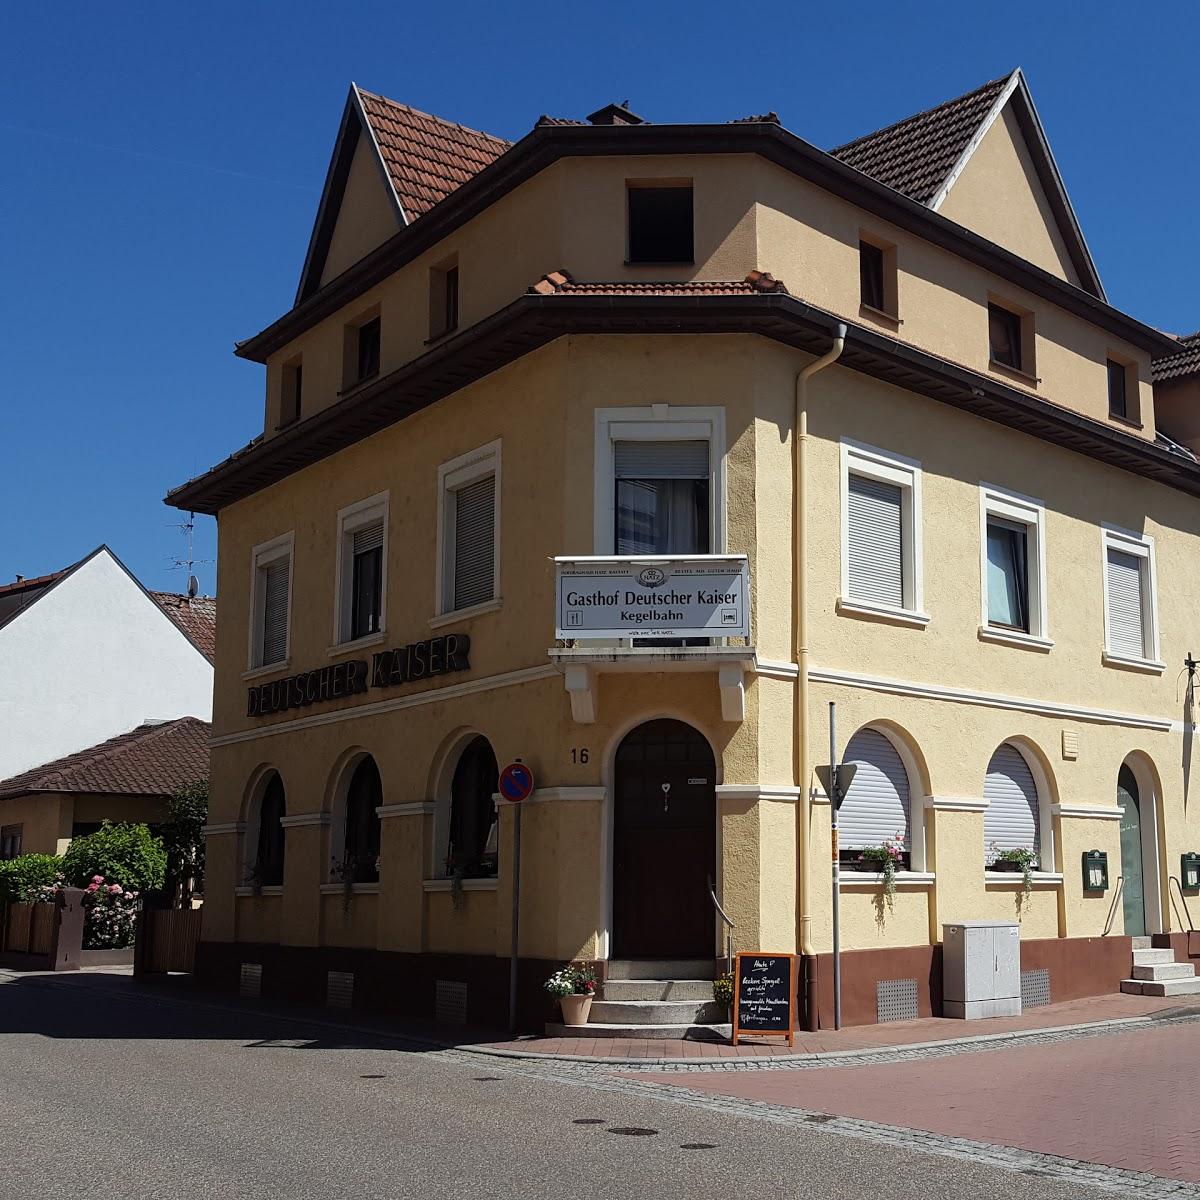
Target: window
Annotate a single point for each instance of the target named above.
(360, 850)
(469, 487)
(443, 298)
(10, 842)
(271, 575)
(1013, 817)
(877, 275)
(472, 847)
(360, 351)
(1130, 603)
(877, 805)
(291, 393)
(660, 222)
(361, 569)
(266, 867)
(1013, 570)
(881, 534)
(1117, 404)
(1006, 340)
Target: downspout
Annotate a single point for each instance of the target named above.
(800, 624)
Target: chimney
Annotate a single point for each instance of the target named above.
(615, 114)
(20, 578)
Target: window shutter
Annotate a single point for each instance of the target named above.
(275, 611)
(1126, 612)
(369, 537)
(875, 542)
(474, 543)
(877, 805)
(660, 460)
(1012, 818)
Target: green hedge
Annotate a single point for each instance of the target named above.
(126, 854)
(25, 874)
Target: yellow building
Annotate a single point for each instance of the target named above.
(855, 427)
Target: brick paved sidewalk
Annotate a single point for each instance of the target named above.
(860, 1037)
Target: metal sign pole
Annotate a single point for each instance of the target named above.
(516, 921)
(834, 800)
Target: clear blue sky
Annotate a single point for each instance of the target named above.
(162, 165)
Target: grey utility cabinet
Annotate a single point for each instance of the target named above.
(981, 969)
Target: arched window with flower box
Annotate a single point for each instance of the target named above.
(877, 818)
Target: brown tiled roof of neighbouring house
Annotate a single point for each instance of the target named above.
(915, 155)
(196, 616)
(426, 157)
(152, 760)
(560, 283)
(1185, 362)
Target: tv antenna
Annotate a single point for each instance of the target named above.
(188, 529)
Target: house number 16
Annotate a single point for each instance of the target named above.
(579, 754)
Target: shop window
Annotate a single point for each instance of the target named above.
(472, 849)
(267, 867)
(361, 569)
(359, 862)
(660, 222)
(1013, 568)
(10, 842)
(469, 523)
(270, 602)
(443, 298)
(291, 392)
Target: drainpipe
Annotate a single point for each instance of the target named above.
(800, 623)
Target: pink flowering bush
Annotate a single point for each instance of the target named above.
(110, 915)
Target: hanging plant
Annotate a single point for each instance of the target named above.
(886, 860)
(1022, 858)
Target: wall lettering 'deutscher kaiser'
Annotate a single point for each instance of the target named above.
(388, 668)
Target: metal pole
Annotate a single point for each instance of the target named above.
(516, 921)
(835, 796)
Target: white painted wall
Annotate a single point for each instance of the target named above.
(93, 657)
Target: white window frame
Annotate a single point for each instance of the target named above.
(263, 555)
(1022, 510)
(1140, 546)
(349, 520)
(869, 462)
(664, 423)
(458, 472)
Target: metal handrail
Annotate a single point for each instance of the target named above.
(729, 926)
(1112, 908)
(1179, 886)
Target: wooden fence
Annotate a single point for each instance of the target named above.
(29, 929)
(168, 939)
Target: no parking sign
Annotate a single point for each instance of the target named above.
(516, 782)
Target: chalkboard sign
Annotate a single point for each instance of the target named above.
(764, 995)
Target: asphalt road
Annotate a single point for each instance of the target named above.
(109, 1092)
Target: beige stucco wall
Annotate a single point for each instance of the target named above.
(368, 213)
(47, 818)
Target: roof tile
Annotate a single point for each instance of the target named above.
(196, 616)
(559, 283)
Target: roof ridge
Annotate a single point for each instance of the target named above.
(420, 112)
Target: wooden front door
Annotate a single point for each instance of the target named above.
(664, 843)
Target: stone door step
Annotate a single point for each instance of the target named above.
(657, 1012)
(1142, 942)
(687, 1032)
(1164, 970)
(1162, 987)
(1147, 958)
(657, 989)
(660, 968)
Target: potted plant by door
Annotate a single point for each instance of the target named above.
(575, 987)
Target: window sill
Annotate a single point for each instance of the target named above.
(882, 612)
(1014, 373)
(440, 336)
(487, 884)
(275, 889)
(921, 879)
(1011, 637)
(1016, 879)
(462, 614)
(269, 669)
(358, 384)
(371, 639)
(287, 424)
(881, 315)
(1121, 419)
(356, 889)
(666, 262)
(1147, 666)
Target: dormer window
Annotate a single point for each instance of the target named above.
(660, 222)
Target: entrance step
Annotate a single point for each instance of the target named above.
(686, 1032)
(1162, 987)
(1161, 970)
(657, 989)
(660, 968)
(1147, 958)
(657, 1012)
(1142, 943)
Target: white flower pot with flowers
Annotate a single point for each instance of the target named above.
(575, 987)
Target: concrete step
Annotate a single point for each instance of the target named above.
(691, 1033)
(1142, 943)
(1157, 971)
(656, 1012)
(657, 989)
(1162, 987)
(1146, 958)
(660, 968)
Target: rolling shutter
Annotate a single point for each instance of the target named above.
(660, 460)
(369, 537)
(1011, 821)
(1126, 612)
(474, 543)
(875, 542)
(275, 611)
(877, 805)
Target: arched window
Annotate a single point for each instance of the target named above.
(472, 847)
(1012, 820)
(877, 806)
(264, 833)
(360, 852)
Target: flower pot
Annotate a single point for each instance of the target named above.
(1006, 865)
(575, 1009)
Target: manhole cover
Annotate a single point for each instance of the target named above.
(587, 1121)
(632, 1131)
(698, 1146)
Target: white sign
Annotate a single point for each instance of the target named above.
(696, 596)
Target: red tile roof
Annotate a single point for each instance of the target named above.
(152, 760)
(39, 581)
(1175, 366)
(196, 616)
(915, 155)
(427, 157)
(559, 283)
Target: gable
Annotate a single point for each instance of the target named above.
(999, 195)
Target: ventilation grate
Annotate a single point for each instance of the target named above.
(450, 1002)
(896, 1000)
(250, 984)
(339, 989)
(1035, 988)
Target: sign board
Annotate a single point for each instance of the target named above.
(516, 782)
(764, 995)
(677, 597)
(846, 773)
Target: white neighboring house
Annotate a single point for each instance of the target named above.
(88, 653)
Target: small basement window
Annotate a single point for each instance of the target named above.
(660, 223)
